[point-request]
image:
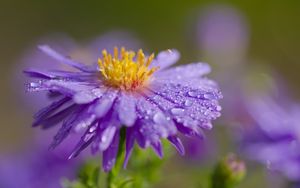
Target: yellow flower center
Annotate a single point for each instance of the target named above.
(126, 70)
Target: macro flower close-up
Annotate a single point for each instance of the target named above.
(131, 90)
(156, 94)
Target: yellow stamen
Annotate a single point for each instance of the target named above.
(124, 71)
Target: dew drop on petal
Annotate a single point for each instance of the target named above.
(88, 136)
(188, 103)
(192, 94)
(177, 111)
(159, 118)
(208, 96)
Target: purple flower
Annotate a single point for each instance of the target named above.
(126, 89)
(85, 51)
(222, 34)
(35, 168)
(271, 134)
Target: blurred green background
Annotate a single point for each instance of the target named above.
(274, 37)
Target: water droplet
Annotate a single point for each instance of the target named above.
(206, 112)
(192, 93)
(97, 92)
(92, 129)
(207, 125)
(209, 96)
(159, 118)
(188, 103)
(148, 112)
(33, 84)
(177, 111)
(179, 120)
(103, 138)
(88, 136)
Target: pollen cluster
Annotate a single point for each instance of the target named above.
(126, 70)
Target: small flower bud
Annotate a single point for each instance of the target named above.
(228, 172)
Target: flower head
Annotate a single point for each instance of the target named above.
(127, 90)
(271, 134)
(35, 168)
(84, 51)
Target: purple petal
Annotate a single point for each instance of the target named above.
(165, 59)
(191, 131)
(69, 88)
(110, 154)
(105, 103)
(157, 148)
(54, 119)
(153, 122)
(187, 106)
(107, 137)
(79, 118)
(176, 142)
(87, 96)
(52, 53)
(85, 140)
(192, 70)
(126, 110)
(129, 145)
(41, 114)
(38, 74)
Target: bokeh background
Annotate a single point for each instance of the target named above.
(273, 29)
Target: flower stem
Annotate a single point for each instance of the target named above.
(112, 175)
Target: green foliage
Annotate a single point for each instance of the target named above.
(88, 177)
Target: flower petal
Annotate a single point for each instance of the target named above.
(47, 111)
(52, 53)
(87, 138)
(129, 145)
(165, 59)
(176, 142)
(49, 121)
(153, 122)
(126, 110)
(105, 103)
(192, 70)
(187, 106)
(107, 137)
(157, 148)
(110, 154)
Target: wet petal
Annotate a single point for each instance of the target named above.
(157, 148)
(49, 121)
(47, 111)
(192, 70)
(154, 124)
(106, 137)
(129, 145)
(105, 103)
(165, 59)
(176, 142)
(187, 106)
(85, 140)
(87, 96)
(109, 155)
(126, 110)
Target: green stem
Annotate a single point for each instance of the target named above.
(112, 175)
